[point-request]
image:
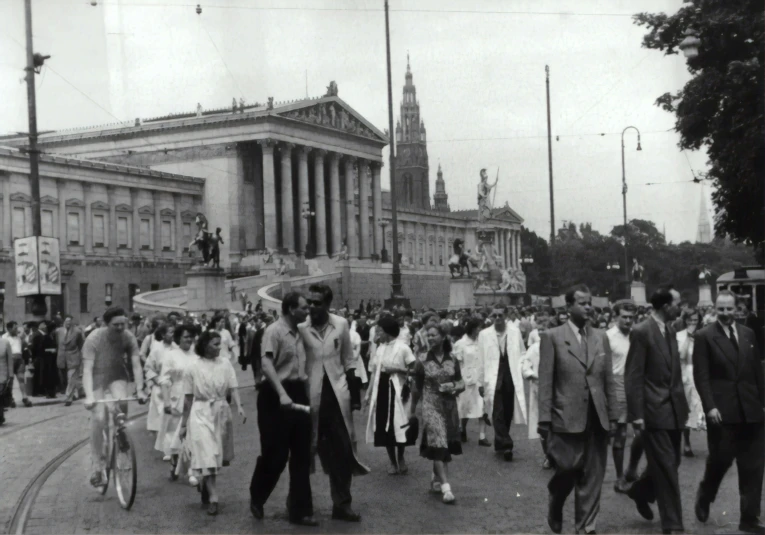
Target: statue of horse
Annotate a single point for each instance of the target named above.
(458, 263)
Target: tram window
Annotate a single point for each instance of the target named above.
(759, 304)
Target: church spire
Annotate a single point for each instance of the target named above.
(704, 230)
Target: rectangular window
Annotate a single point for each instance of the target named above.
(122, 232)
(108, 290)
(18, 225)
(83, 297)
(167, 235)
(99, 230)
(46, 220)
(73, 228)
(145, 234)
(186, 236)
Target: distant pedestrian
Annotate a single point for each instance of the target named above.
(470, 402)
(44, 353)
(18, 347)
(6, 375)
(70, 349)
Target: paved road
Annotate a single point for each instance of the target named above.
(492, 496)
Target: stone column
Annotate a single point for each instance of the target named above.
(505, 235)
(63, 240)
(288, 201)
(379, 244)
(500, 246)
(352, 236)
(269, 194)
(178, 207)
(135, 235)
(112, 220)
(320, 202)
(517, 248)
(334, 202)
(88, 218)
(6, 236)
(302, 245)
(158, 224)
(364, 208)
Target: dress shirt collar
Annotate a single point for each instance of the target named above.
(727, 328)
(576, 329)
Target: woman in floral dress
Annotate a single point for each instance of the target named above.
(207, 382)
(163, 343)
(439, 382)
(388, 398)
(174, 366)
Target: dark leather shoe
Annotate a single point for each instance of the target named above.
(508, 455)
(702, 507)
(671, 531)
(484, 442)
(212, 509)
(256, 510)
(463, 435)
(621, 486)
(752, 527)
(642, 505)
(346, 514)
(308, 521)
(554, 516)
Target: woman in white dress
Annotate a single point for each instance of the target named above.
(208, 380)
(174, 366)
(227, 343)
(470, 402)
(696, 418)
(162, 343)
(389, 395)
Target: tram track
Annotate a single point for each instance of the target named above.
(25, 503)
(13, 430)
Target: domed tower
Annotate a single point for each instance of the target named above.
(412, 169)
(440, 198)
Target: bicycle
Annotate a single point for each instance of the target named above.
(119, 453)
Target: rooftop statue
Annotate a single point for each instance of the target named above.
(485, 202)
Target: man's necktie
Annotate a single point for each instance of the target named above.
(583, 334)
(732, 337)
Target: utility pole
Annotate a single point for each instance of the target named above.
(397, 297)
(39, 308)
(549, 158)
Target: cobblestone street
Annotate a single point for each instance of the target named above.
(492, 496)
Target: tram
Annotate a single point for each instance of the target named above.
(749, 284)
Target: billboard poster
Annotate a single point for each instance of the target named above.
(50, 266)
(27, 279)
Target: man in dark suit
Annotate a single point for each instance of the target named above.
(577, 410)
(657, 408)
(729, 379)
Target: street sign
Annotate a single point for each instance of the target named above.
(38, 266)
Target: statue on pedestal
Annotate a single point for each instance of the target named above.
(458, 262)
(705, 276)
(484, 196)
(205, 241)
(637, 271)
(343, 254)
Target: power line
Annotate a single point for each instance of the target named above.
(236, 82)
(541, 136)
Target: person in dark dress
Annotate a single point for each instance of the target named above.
(44, 351)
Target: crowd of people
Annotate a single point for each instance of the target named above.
(578, 377)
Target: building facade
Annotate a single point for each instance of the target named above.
(121, 230)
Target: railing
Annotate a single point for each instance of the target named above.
(270, 302)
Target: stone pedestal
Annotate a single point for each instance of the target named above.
(705, 295)
(205, 290)
(461, 293)
(637, 293)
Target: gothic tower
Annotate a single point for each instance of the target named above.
(412, 170)
(704, 229)
(440, 198)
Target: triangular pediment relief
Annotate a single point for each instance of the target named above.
(47, 199)
(20, 197)
(167, 212)
(75, 202)
(99, 205)
(123, 208)
(331, 112)
(146, 210)
(507, 214)
(188, 214)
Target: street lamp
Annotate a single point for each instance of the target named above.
(383, 222)
(624, 201)
(690, 45)
(613, 266)
(307, 214)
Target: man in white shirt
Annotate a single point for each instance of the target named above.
(14, 338)
(619, 341)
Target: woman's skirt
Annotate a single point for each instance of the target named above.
(384, 414)
(156, 410)
(470, 403)
(441, 427)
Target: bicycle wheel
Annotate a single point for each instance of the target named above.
(125, 468)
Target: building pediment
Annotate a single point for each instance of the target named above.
(167, 212)
(507, 214)
(188, 214)
(123, 208)
(146, 210)
(99, 205)
(75, 202)
(331, 112)
(20, 197)
(47, 199)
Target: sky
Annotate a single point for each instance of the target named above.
(479, 69)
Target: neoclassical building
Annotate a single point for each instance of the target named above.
(301, 177)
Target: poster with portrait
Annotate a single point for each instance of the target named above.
(27, 277)
(50, 266)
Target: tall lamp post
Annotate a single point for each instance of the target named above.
(383, 222)
(624, 204)
(396, 297)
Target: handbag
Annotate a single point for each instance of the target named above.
(412, 430)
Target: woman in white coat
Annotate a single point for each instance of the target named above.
(530, 367)
(685, 348)
(387, 398)
(470, 402)
(163, 342)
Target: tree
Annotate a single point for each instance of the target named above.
(722, 107)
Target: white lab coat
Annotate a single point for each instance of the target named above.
(488, 358)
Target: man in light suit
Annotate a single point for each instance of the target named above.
(578, 410)
(729, 379)
(500, 356)
(657, 408)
